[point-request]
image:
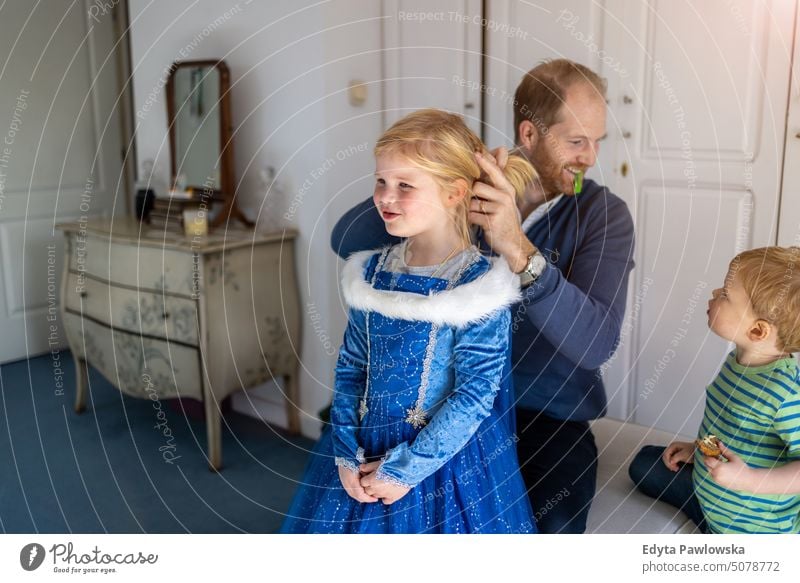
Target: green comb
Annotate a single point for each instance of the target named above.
(577, 184)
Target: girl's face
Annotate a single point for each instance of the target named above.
(408, 199)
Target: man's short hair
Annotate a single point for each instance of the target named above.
(771, 278)
(541, 92)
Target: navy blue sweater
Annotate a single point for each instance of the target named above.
(568, 323)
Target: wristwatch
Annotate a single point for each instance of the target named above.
(533, 270)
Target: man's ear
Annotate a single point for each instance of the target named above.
(457, 191)
(528, 135)
(759, 331)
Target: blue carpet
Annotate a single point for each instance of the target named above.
(102, 471)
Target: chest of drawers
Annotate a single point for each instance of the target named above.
(161, 315)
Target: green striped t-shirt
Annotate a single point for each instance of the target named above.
(755, 411)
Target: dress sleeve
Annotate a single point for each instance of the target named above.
(479, 359)
(351, 379)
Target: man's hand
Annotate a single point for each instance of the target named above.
(352, 485)
(387, 492)
(678, 452)
(494, 209)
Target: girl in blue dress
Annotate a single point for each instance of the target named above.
(421, 437)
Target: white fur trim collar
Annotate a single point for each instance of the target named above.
(462, 305)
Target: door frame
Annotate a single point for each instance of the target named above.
(121, 18)
(789, 198)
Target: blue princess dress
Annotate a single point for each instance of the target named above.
(423, 384)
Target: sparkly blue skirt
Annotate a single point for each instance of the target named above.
(479, 490)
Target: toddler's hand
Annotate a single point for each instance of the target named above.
(677, 452)
(734, 474)
(388, 492)
(351, 484)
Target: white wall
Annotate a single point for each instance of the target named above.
(290, 64)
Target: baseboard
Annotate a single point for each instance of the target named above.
(266, 403)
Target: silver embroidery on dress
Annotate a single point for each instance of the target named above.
(342, 462)
(362, 408)
(417, 416)
(384, 477)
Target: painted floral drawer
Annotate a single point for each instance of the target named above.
(138, 266)
(139, 366)
(147, 313)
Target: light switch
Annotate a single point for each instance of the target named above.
(357, 93)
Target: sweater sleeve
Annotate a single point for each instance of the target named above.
(479, 358)
(349, 386)
(359, 229)
(581, 314)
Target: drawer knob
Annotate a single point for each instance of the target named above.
(83, 293)
(165, 315)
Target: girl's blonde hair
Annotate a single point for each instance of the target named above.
(441, 144)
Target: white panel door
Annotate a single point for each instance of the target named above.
(432, 58)
(59, 154)
(696, 127)
(700, 127)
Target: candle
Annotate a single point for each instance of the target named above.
(195, 223)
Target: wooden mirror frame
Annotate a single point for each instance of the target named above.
(227, 181)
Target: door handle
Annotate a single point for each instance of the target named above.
(624, 169)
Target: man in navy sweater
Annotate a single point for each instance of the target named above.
(574, 253)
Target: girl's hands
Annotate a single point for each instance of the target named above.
(351, 483)
(678, 452)
(387, 492)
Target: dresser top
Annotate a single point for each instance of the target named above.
(131, 230)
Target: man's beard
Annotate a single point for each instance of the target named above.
(551, 170)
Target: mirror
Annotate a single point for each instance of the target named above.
(200, 136)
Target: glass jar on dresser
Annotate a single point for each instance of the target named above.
(167, 315)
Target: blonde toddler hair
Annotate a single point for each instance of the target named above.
(771, 278)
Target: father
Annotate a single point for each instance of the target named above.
(574, 252)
